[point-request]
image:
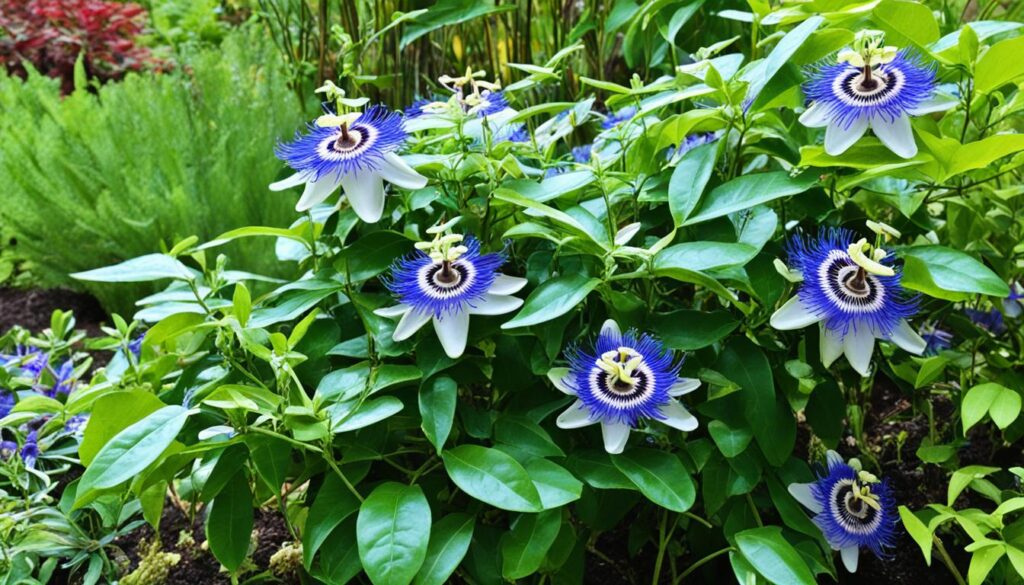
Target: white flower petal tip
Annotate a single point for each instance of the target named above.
(610, 327)
(292, 181)
(409, 324)
(397, 171)
(557, 378)
(677, 417)
(940, 102)
(316, 192)
(626, 234)
(897, 135)
(830, 346)
(793, 315)
(365, 192)
(850, 556)
(392, 312)
(574, 417)
(833, 458)
(858, 345)
(615, 435)
(453, 330)
(839, 139)
(803, 494)
(506, 285)
(815, 116)
(491, 304)
(905, 337)
(683, 386)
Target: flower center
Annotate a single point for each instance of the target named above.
(868, 83)
(446, 277)
(620, 365)
(348, 140)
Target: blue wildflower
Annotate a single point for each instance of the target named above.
(852, 508)
(627, 377)
(63, 383)
(514, 133)
(357, 152)
(7, 402)
(614, 119)
(856, 299)
(486, 103)
(135, 345)
(936, 339)
(581, 154)
(690, 142)
(991, 320)
(7, 448)
(30, 450)
(29, 359)
(446, 281)
(76, 424)
(416, 109)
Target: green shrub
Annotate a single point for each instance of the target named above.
(101, 176)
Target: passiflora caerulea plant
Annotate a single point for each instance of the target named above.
(621, 373)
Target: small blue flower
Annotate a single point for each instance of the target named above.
(416, 109)
(581, 154)
(7, 402)
(76, 424)
(63, 383)
(991, 320)
(29, 359)
(689, 143)
(936, 339)
(847, 100)
(135, 345)
(7, 448)
(616, 118)
(356, 152)
(853, 305)
(852, 508)
(1013, 305)
(446, 281)
(488, 103)
(514, 133)
(30, 450)
(626, 378)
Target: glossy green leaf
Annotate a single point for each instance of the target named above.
(446, 13)
(229, 522)
(493, 477)
(918, 531)
(659, 476)
(524, 548)
(747, 191)
(773, 557)
(371, 255)
(555, 485)
(552, 299)
(437, 400)
(142, 269)
(111, 414)
(523, 433)
(333, 504)
(688, 180)
(906, 22)
(996, 400)
(688, 329)
(731, 441)
(393, 531)
(449, 540)
(1000, 65)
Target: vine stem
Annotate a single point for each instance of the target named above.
(946, 560)
(704, 561)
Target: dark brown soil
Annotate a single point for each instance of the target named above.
(31, 309)
(198, 566)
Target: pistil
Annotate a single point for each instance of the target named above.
(869, 83)
(344, 141)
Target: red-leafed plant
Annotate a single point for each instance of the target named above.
(51, 34)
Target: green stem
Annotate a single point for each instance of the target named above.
(753, 508)
(704, 561)
(946, 560)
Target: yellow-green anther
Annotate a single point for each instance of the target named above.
(857, 254)
(868, 50)
(333, 120)
(867, 476)
(619, 366)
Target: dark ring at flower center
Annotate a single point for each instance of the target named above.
(858, 87)
(445, 276)
(851, 509)
(621, 391)
(348, 140)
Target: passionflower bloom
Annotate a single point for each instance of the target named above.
(852, 508)
(626, 378)
(445, 281)
(472, 97)
(355, 151)
(990, 320)
(871, 86)
(852, 291)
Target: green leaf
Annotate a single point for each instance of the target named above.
(493, 477)
(963, 477)
(525, 546)
(551, 187)
(982, 562)
(111, 414)
(523, 433)
(393, 530)
(271, 457)
(659, 476)
(437, 408)
(446, 13)
(773, 557)
(555, 485)
(949, 274)
(1000, 65)
(702, 256)
(982, 153)
(132, 450)
(370, 412)
(229, 522)
(689, 179)
(918, 531)
(764, 71)
(688, 329)
(996, 400)
(142, 269)
(552, 299)
(597, 469)
(449, 541)
(772, 423)
(371, 255)
(342, 564)
(906, 22)
(172, 326)
(333, 504)
(747, 191)
(731, 441)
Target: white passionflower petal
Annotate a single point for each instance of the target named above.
(391, 312)
(839, 138)
(615, 436)
(453, 330)
(793, 315)
(833, 458)
(905, 337)
(896, 134)
(506, 285)
(858, 345)
(610, 327)
(850, 556)
(940, 102)
(830, 346)
(317, 192)
(292, 181)
(397, 171)
(815, 116)
(803, 494)
(491, 304)
(683, 386)
(574, 417)
(409, 324)
(677, 417)
(365, 192)
(557, 376)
